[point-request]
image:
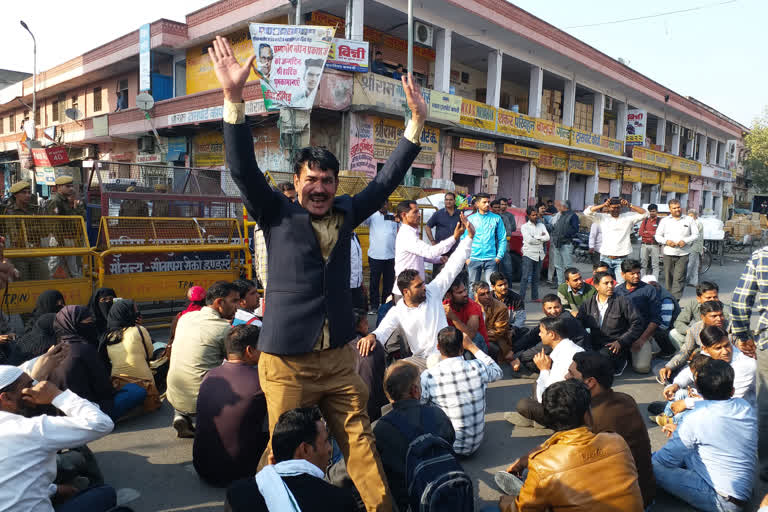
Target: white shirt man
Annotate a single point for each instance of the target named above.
(534, 237)
(382, 234)
(615, 230)
(675, 229)
(411, 251)
(562, 357)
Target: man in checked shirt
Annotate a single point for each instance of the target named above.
(753, 287)
(457, 386)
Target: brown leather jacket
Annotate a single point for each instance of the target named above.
(578, 471)
(497, 326)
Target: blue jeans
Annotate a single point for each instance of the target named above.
(691, 488)
(563, 259)
(507, 267)
(680, 394)
(94, 499)
(531, 270)
(615, 266)
(481, 270)
(129, 396)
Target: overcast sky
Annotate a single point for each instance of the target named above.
(716, 54)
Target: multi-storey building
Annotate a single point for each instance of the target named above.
(518, 108)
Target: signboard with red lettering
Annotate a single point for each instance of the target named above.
(636, 123)
(348, 55)
(50, 157)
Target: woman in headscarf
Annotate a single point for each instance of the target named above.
(129, 347)
(35, 342)
(100, 304)
(84, 370)
(50, 301)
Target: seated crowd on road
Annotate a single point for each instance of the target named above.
(293, 402)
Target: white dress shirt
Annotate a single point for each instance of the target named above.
(534, 236)
(615, 231)
(744, 378)
(675, 229)
(602, 307)
(421, 324)
(562, 357)
(595, 237)
(411, 251)
(381, 238)
(355, 263)
(28, 449)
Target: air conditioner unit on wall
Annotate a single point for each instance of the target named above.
(675, 129)
(608, 103)
(422, 33)
(146, 144)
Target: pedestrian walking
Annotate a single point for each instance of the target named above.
(676, 233)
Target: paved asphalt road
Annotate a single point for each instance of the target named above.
(144, 453)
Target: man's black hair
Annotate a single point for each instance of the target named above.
(565, 404)
(449, 194)
(653, 207)
(378, 52)
(496, 202)
(599, 264)
(265, 45)
(595, 365)
(550, 201)
(711, 335)
(706, 286)
(482, 195)
(244, 286)
(359, 315)
(710, 306)
(551, 297)
(241, 336)
(715, 380)
(316, 156)
(496, 277)
(556, 325)
(570, 271)
(599, 277)
(405, 277)
(285, 186)
(449, 341)
(530, 210)
(399, 378)
(313, 63)
(459, 281)
(404, 207)
(220, 290)
(293, 428)
(629, 265)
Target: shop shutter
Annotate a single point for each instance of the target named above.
(604, 186)
(545, 177)
(394, 57)
(626, 188)
(468, 162)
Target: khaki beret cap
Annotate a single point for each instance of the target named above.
(19, 186)
(64, 180)
(160, 187)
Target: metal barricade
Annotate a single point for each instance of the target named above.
(157, 259)
(50, 252)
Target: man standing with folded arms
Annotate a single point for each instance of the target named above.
(676, 233)
(309, 321)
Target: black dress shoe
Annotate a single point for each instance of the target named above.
(656, 408)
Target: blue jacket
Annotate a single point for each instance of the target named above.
(490, 237)
(645, 299)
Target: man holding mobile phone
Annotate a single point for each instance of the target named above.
(616, 228)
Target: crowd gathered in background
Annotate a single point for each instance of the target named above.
(295, 402)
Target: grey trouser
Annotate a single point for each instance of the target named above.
(694, 260)
(649, 258)
(675, 268)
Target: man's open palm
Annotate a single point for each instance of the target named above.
(414, 98)
(232, 76)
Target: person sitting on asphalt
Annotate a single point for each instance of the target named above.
(231, 431)
(33, 343)
(496, 318)
(466, 315)
(529, 345)
(250, 300)
(669, 310)
(199, 347)
(575, 470)
(647, 304)
(100, 304)
(675, 409)
(49, 301)
(420, 314)
(600, 266)
(690, 314)
(552, 368)
(613, 411)
(574, 291)
(30, 439)
(711, 314)
(458, 386)
(196, 298)
(403, 387)
(710, 460)
(512, 300)
(293, 480)
(371, 367)
(613, 322)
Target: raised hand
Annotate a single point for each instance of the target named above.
(468, 225)
(232, 76)
(414, 98)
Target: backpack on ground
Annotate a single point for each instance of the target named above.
(436, 480)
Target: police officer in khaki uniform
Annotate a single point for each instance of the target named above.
(160, 207)
(21, 204)
(65, 202)
(133, 207)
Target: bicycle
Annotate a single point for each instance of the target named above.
(732, 244)
(705, 260)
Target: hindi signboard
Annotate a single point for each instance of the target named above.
(549, 131)
(50, 156)
(348, 55)
(521, 151)
(514, 123)
(638, 175)
(582, 165)
(554, 160)
(486, 146)
(388, 132)
(478, 115)
(685, 166)
(674, 182)
(636, 123)
(361, 156)
(298, 54)
(445, 107)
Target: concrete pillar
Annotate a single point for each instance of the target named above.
(615, 190)
(670, 196)
(621, 121)
(707, 199)
(592, 188)
(656, 194)
(493, 83)
(721, 154)
(718, 207)
(534, 91)
(702, 139)
(357, 12)
(676, 141)
(569, 102)
(561, 185)
(661, 132)
(636, 190)
(443, 38)
(532, 185)
(598, 113)
(684, 202)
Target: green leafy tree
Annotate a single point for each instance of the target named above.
(756, 143)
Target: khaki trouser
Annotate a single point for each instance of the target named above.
(328, 379)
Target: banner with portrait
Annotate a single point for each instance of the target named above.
(290, 61)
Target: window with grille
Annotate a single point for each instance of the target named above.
(37, 116)
(11, 124)
(96, 99)
(56, 111)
